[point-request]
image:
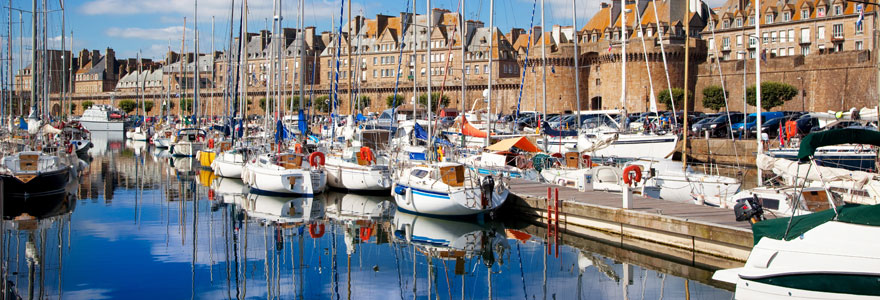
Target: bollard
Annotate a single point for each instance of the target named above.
(627, 196)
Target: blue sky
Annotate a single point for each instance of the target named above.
(151, 26)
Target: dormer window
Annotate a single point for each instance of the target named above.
(786, 16)
(838, 10)
(820, 12)
(725, 24)
(768, 18)
(751, 20)
(739, 22)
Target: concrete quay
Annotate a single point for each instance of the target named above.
(701, 230)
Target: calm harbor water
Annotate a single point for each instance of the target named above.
(141, 224)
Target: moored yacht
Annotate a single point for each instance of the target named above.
(101, 117)
(286, 173)
(446, 189)
(33, 173)
(188, 142)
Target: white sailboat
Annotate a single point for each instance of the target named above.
(358, 169)
(286, 173)
(188, 142)
(446, 189)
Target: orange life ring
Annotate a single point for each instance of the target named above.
(298, 148)
(628, 176)
(314, 156)
(319, 227)
(587, 161)
(366, 154)
(366, 233)
(211, 143)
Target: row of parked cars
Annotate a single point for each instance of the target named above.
(745, 126)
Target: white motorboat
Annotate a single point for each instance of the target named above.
(446, 189)
(139, 133)
(833, 254)
(188, 142)
(229, 163)
(358, 169)
(101, 117)
(286, 173)
(586, 176)
(785, 201)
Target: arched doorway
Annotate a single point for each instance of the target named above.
(56, 109)
(596, 103)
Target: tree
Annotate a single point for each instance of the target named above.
(773, 94)
(362, 102)
(713, 97)
(443, 102)
(677, 94)
(263, 102)
(393, 101)
(294, 102)
(86, 104)
(148, 105)
(322, 104)
(187, 104)
(127, 105)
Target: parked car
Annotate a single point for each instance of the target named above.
(720, 126)
(698, 122)
(748, 126)
(771, 127)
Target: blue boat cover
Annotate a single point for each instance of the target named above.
(553, 132)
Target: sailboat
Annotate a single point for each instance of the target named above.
(445, 188)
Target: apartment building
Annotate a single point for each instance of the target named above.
(790, 27)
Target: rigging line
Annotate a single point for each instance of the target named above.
(724, 93)
(665, 65)
(526, 60)
(400, 46)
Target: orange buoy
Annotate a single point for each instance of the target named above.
(366, 233)
(587, 161)
(298, 148)
(316, 158)
(629, 177)
(211, 143)
(366, 154)
(319, 228)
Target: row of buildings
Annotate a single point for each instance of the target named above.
(804, 42)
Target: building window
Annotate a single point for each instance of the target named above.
(725, 24)
(791, 35)
(837, 31)
(751, 54)
(782, 36)
(773, 37)
(805, 35)
(805, 14)
(805, 50)
(860, 45)
(838, 47)
(467, 69)
(820, 12)
(820, 33)
(598, 82)
(739, 41)
(751, 20)
(765, 37)
(753, 41)
(486, 69)
(838, 10)
(860, 27)
(477, 69)
(786, 16)
(739, 22)
(768, 18)
(725, 43)
(790, 51)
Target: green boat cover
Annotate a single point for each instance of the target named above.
(836, 137)
(541, 161)
(850, 213)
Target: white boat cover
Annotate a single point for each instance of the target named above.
(790, 168)
(49, 129)
(866, 114)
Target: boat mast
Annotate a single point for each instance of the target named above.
(543, 75)
(428, 24)
(415, 46)
(687, 47)
(70, 76)
(243, 66)
(491, 71)
(623, 55)
(213, 72)
(63, 56)
(34, 59)
(302, 67)
(577, 82)
(196, 80)
(758, 108)
(462, 44)
(348, 60)
(182, 85)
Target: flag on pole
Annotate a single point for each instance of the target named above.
(609, 46)
(764, 55)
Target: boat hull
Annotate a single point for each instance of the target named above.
(284, 182)
(460, 202)
(48, 183)
(102, 125)
(227, 168)
(349, 176)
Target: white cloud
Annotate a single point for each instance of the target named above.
(172, 32)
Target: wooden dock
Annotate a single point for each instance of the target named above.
(697, 228)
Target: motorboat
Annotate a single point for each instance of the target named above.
(564, 170)
(188, 142)
(100, 117)
(358, 169)
(447, 189)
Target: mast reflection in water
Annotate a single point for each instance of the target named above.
(147, 225)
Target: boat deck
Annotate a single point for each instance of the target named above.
(698, 228)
